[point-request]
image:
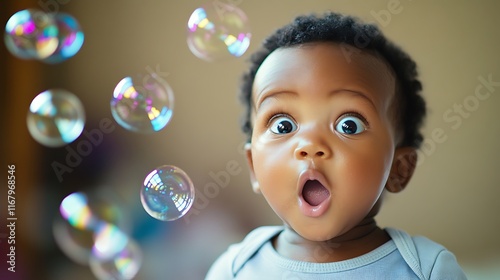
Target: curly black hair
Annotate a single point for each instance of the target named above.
(359, 36)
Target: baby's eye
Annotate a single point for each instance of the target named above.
(282, 125)
(350, 125)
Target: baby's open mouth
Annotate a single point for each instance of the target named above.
(314, 192)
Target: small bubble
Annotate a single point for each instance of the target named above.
(76, 210)
(109, 240)
(70, 38)
(55, 118)
(85, 222)
(123, 265)
(218, 31)
(31, 34)
(142, 104)
(167, 193)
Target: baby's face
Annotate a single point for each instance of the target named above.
(323, 136)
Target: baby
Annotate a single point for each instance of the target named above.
(333, 114)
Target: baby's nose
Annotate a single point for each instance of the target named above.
(312, 150)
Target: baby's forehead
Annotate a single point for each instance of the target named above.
(342, 63)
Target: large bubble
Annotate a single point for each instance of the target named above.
(55, 118)
(218, 31)
(167, 193)
(31, 34)
(142, 104)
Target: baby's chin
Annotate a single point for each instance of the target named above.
(313, 235)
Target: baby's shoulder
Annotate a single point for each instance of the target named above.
(427, 258)
(417, 246)
(252, 243)
(231, 261)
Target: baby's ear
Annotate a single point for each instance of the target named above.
(403, 166)
(253, 180)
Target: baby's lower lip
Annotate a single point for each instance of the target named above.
(313, 211)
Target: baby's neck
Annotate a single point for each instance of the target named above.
(358, 241)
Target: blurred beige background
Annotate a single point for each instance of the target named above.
(453, 198)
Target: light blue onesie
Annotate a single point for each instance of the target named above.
(403, 257)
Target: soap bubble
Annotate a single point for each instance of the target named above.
(123, 265)
(31, 34)
(70, 38)
(76, 210)
(55, 118)
(109, 240)
(83, 220)
(218, 31)
(142, 104)
(167, 193)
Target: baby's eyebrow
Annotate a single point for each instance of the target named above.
(272, 95)
(357, 93)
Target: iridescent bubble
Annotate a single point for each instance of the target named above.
(83, 221)
(109, 240)
(143, 104)
(123, 265)
(31, 34)
(55, 118)
(217, 31)
(167, 193)
(70, 38)
(76, 210)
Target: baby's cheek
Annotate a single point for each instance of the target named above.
(371, 175)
